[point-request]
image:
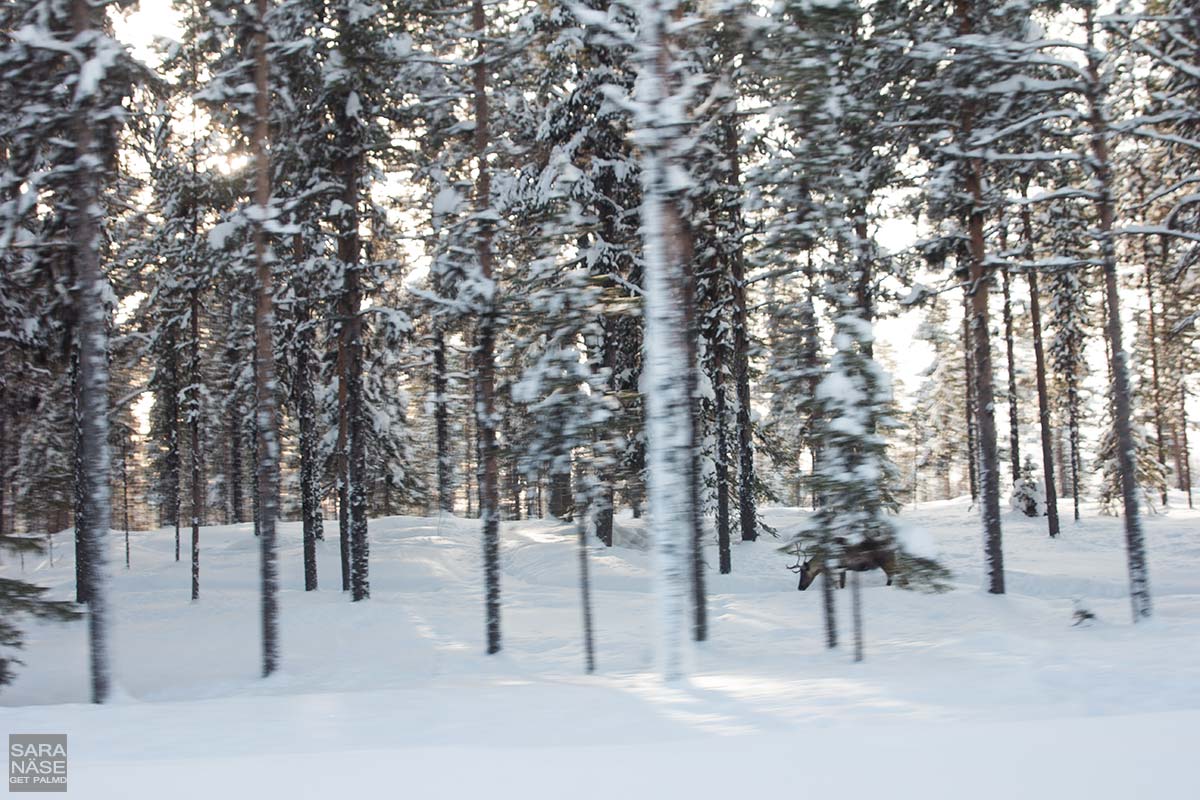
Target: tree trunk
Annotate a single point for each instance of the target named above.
(441, 415)
(1014, 422)
(831, 635)
(256, 446)
(1156, 385)
(560, 495)
(124, 490)
(471, 445)
(722, 458)
(234, 479)
(969, 403)
(980, 282)
(856, 611)
(360, 586)
(514, 486)
(585, 594)
(699, 593)
(92, 316)
(670, 421)
(1039, 353)
(1139, 579)
(1183, 441)
(169, 395)
(747, 512)
(194, 443)
(485, 375)
(264, 324)
(80, 484)
(341, 461)
(1073, 400)
(310, 490)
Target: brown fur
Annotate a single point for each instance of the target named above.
(860, 558)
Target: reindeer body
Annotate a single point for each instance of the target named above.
(863, 557)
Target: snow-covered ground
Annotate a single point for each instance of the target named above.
(962, 695)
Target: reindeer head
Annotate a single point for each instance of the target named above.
(809, 569)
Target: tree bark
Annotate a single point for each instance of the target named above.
(980, 282)
(722, 455)
(1139, 579)
(310, 492)
(747, 511)
(124, 490)
(969, 403)
(670, 421)
(585, 595)
(1039, 353)
(264, 324)
(831, 634)
(194, 436)
(441, 415)
(80, 486)
(341, 461)
(1014, 423)
(1156, 388)
(1183, 441)
(485, 375)
(856, 603)
(92, 315)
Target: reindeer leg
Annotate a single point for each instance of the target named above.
(843, 581)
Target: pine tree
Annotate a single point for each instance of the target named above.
(854, 472)
(1029, 496)
(20, 600)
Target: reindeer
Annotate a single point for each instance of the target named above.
(863, 557)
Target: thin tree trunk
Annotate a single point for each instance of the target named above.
(856, 611)
(969, 386)
(699, 593)
(234, 479)
(471, 445)
(256, 447)
(264, 323)
(341, 461)
(514, 486)
(722, 459)
(1014, 422)
(1139, 579)
(310, 494)
(831, 635)
(1183, 439)
(485, 377)
(194, 434)
(442, 423)
(1156, 387)
(360, 586)
(1039, 353)
(585, 594)
(125, 490)
(747, 512)
(1073, 436)
(80, 486)
(169, 396)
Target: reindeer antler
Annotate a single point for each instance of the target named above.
(800, 559)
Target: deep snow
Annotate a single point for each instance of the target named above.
(962, 695)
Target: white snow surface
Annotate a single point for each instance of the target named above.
(962, 695)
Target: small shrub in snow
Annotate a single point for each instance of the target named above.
(1029, 495)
